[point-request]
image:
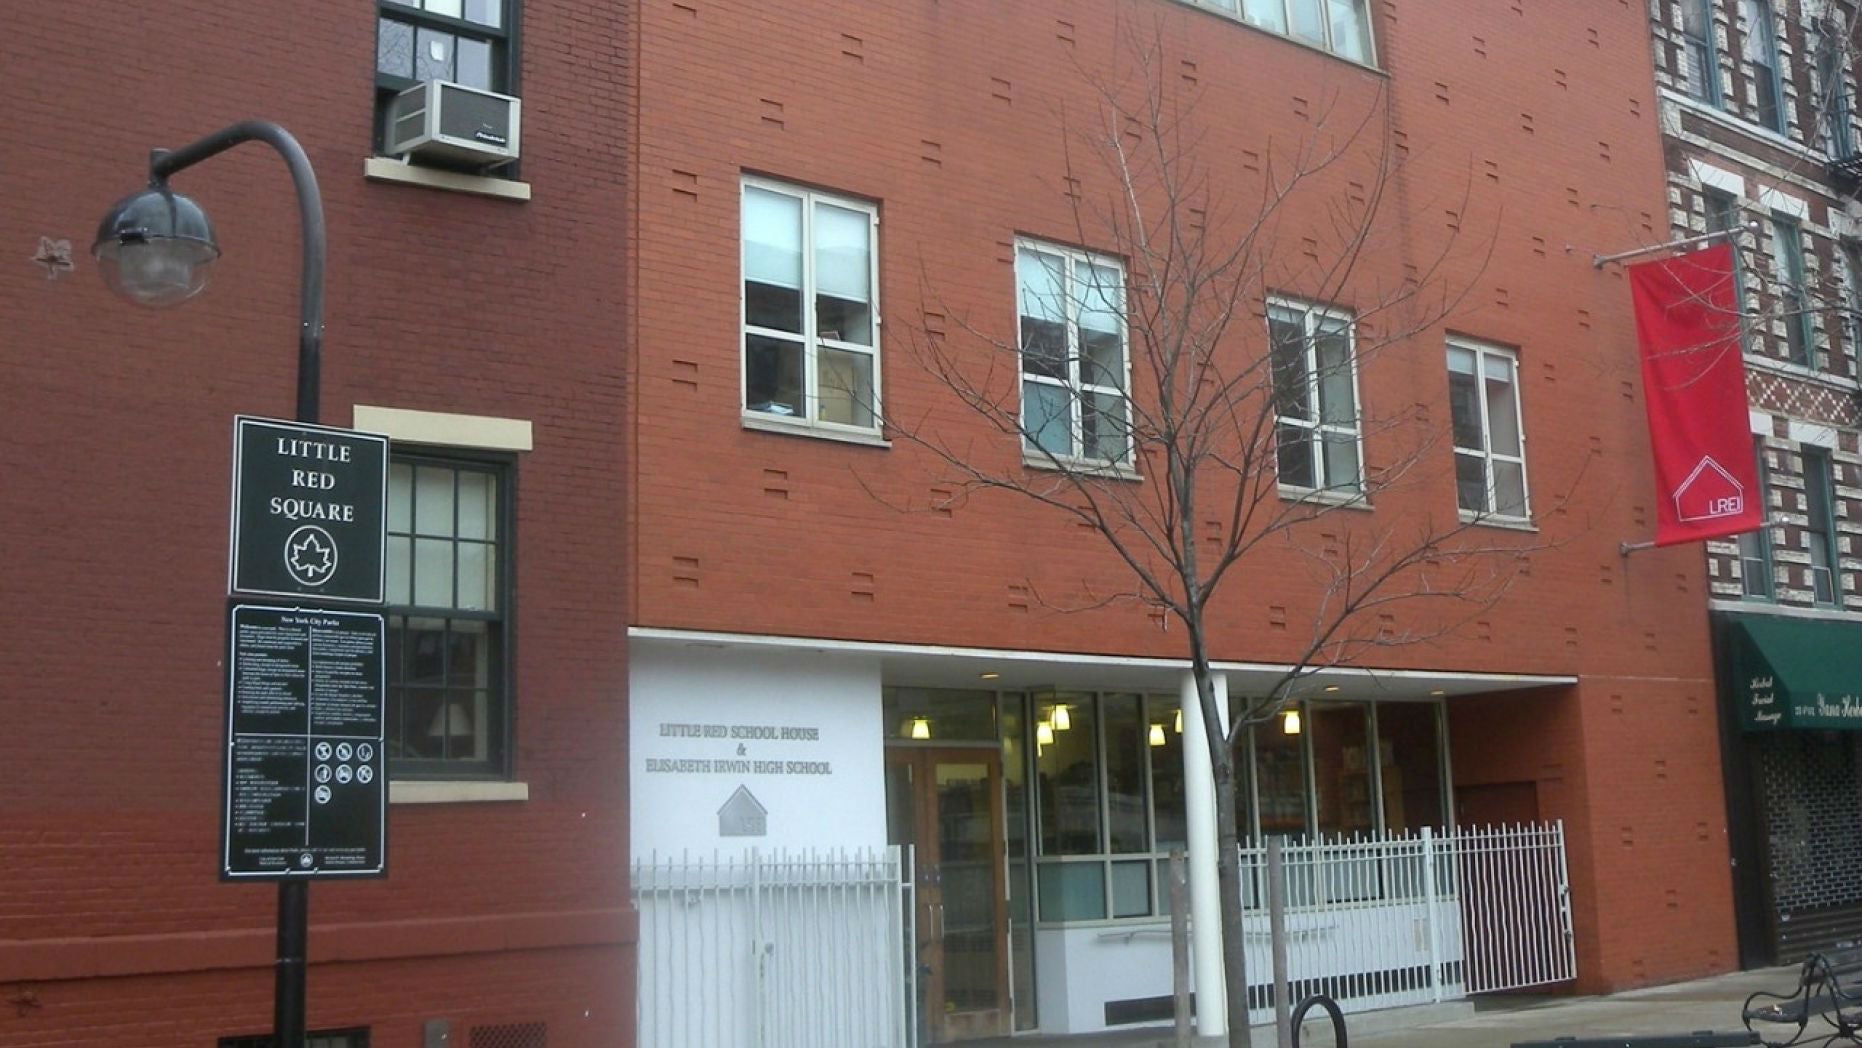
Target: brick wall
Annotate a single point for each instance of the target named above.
(114, 447)
(1528, 141)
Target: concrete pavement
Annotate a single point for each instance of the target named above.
(1499, 1021)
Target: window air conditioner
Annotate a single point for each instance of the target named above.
(454, 125)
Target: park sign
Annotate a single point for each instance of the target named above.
(308, 511)
(304, 783)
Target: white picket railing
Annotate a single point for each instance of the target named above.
(776, 950)
(809, 949)
(1394, 919)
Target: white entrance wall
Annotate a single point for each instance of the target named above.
(799, 731)
(1078, 970)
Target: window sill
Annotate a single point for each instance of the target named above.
(1507, 523)
(766, 424)
(1758, 132)
(1323, 497)
(1800, 371)
(388, 169)
(405, 791)
(1088, 467)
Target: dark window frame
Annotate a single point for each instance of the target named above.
(1787, 238)
(1820, 493)
(500, 765)
(1833, 96)
(1704, 50)
(1766, 65)
(506, 54)
(1760, 539)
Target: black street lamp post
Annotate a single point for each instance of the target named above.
(154, 248)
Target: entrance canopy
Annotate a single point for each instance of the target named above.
(1787, 672)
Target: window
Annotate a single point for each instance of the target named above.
(1342, 27)
(1852, 299)
(1761, 56)
(1833, 97)
(1074, 364)
(1820, 524)
(810, 307)
(1793, 302)
(1108, 777)
(1315, 397)
(449, 596)
(1700, 53)
(1490, 454)
(470, 42)
(1722, 215)
(1755, 573)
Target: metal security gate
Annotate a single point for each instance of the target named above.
(1515, 904)
(1810, 799)
(1384, 920)
(776, 950)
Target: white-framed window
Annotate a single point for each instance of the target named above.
(1075, 363)
(1342, 27)
(1490, 445)
(1316, 434)
(810, 307)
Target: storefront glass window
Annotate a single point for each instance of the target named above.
(1164, 740)
(1125, 746)
(1342, 768)
(1280, 777)
(939, 715)
(1409, 751)
(1067, 769)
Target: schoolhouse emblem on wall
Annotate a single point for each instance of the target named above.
(1709, 492)
(743, 816)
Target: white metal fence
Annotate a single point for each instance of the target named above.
(1393, 919)
(773, 950)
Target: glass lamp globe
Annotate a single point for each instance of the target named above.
(155, 247)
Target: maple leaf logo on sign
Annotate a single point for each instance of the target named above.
(310, 555)
(1708, 493)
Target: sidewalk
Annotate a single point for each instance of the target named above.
(1496, 1022)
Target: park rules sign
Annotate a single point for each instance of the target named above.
(308, 511)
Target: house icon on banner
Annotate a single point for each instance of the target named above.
(1708, 493)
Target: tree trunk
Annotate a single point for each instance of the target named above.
(1228, 878)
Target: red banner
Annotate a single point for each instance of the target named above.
(1694, 384)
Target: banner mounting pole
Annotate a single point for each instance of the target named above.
(1599, 261)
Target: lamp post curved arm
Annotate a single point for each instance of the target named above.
(165, 162)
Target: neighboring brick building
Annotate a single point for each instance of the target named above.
(486, 335)
(1759, 132)
(799, 563)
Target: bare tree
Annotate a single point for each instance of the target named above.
(1185, 388)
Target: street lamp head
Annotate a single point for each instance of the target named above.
(154, 247)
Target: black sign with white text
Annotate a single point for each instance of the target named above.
(308, 511)
(305, 789)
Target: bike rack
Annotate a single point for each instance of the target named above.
(1331, 1006)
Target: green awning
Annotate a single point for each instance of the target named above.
(1787, 672)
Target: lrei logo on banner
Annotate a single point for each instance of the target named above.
(1694, 386)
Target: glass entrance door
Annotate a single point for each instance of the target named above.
(947, 804)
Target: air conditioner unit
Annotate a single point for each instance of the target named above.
(454, 124)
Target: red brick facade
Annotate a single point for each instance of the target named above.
(114, 928)
(1528, 142)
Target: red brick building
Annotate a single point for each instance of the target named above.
(479, 322)
(826, 189)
